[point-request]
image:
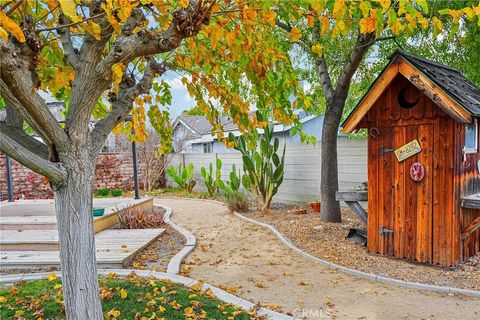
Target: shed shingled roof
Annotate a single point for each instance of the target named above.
(449, 80)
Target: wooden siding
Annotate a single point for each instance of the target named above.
(422, 215)
(302, 168)
(467, 182)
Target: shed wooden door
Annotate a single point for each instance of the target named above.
(405, 206)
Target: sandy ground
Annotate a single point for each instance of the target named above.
(241, 256)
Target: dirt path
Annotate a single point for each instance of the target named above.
(233, 253)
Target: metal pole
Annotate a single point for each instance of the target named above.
(9, 179)
(135, 169)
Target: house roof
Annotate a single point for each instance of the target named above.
(451, 80)
(199, 125)
(445, 86)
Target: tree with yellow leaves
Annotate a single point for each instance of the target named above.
(104, 58)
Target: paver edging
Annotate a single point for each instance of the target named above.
(188, 282)
(354, 272)
(175, 264)
(365, 275)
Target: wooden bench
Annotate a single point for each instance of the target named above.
(471, 202)
(352, 199)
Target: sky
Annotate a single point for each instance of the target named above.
(181, 99)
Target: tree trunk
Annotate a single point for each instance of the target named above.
(73, 203)
(330, 211)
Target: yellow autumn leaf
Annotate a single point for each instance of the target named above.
(3, 34)
(217, 34)
(184, 3)
(384, 3)
(175, 305)
(397, 27)
(295, 34)
(123, 293)
(57, 286)
(162, 309)
(12, 27)
(125, 10)
(3, 299)
(339, 8)
(189, 312)
(318, 49)
(69, 8)
(317, 5)
(365, 8)
(118, 69)
(112, 313)
(437, 26)
(51, 4)
(52, 277)
(325, 24)
(94, 29)
(368, 25)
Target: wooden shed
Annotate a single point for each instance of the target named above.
(423, 161)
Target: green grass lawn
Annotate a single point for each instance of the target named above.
(122, 298)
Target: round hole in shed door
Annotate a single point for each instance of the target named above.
(403, 102)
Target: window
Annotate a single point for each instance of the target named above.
(207, 148)
(471, 137)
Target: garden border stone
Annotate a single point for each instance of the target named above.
(188, 282)
(353, 272)
(175, 264)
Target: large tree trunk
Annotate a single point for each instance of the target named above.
(330, 211)
(73, 203)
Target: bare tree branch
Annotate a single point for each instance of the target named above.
(31, 107)
(186, 23)
(364, 42)
(53, 171)
(67, 44)
(25, 140)
(123, 102)
(88, 85)
(324, 74)
(13, 126)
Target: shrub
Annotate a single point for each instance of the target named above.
(138, 218)
(102, 192)
(116, 192)
(237, 201)
(183, 176)
(262, 167)
(211, 183)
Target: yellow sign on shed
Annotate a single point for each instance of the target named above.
(408, 150)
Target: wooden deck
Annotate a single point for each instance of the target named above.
(115, 249)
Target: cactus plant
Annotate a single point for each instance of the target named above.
(263, 168)
(235, 180)
(208, 178)
(183, 176)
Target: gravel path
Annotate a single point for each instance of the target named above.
(253, 264)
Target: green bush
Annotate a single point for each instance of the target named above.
(211, 183)
(262, 167)
(117, 192)
(102, 192)
(237, 201)
(183, 176)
